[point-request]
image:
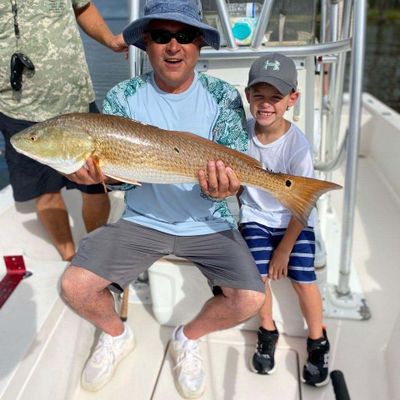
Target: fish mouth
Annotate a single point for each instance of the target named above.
(63, 168)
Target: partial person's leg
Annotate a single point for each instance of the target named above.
(88, 295)
(311, 306)
(226, 262)
(53, 215)
(32, 180)
(266, 318)
(113, 254)
(95, 203)
(95, 210)
(316, 368)
(224, 311)
(263, 359)
(301, 272)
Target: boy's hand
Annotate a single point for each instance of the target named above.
(278, 266)
(222, 182)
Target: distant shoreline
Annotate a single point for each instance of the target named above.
(391, 14)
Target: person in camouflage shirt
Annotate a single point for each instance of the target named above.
(46, 33)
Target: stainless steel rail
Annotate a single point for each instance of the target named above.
(292, 51)
(226, 26)
(135, 58)
(262, 23)
(353, 145)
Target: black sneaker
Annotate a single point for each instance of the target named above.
(315, 371)
(263, 360)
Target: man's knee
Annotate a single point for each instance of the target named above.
(76, 283)
(246, 302)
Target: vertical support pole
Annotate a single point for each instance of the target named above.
(358, 49)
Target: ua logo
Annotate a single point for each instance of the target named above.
(274, 64)
(326, 360)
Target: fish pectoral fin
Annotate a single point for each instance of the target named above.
(131, 181)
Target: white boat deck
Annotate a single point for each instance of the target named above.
(44, 345)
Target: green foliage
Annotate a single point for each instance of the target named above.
(392, 14)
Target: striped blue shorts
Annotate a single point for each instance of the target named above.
(262, 241)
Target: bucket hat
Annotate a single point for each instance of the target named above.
(185, 11)
(276, 70)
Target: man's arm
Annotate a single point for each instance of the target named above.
(93, 24)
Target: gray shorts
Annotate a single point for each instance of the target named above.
(119, 252)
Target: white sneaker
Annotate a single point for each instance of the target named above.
(102, 364)
(190, 376)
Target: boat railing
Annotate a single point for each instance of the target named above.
(342, 31)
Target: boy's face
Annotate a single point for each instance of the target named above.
(267, 104)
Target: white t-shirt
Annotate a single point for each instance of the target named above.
(290, 154)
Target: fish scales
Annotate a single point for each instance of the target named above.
(134, 152)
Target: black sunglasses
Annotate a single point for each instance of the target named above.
(18, 62)
(184, 36)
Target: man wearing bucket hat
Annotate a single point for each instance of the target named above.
(190, 221)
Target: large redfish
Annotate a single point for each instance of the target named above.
(130, 151)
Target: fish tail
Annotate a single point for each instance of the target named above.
(301, 194)
(297, 193)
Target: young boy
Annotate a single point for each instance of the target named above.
(281, 246)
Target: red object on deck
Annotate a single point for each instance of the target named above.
(16, 271)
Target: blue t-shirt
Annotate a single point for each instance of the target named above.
(209, 108)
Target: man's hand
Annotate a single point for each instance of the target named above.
(222, 181)
(89, 174)
(117, 44)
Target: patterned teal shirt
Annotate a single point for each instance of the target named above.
(210, 108)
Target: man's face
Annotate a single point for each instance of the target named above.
(173, 63)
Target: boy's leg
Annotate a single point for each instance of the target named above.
(265, 313)
(311, 306)
(261, 244)
(315, 371)
(263, 359)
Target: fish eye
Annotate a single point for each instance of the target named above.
(33, 138)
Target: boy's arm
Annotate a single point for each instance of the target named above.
(278, 266)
